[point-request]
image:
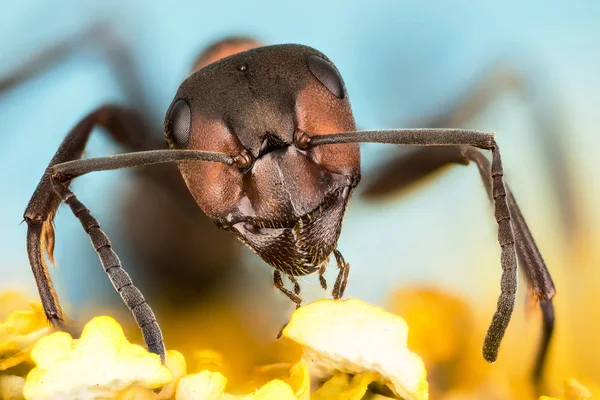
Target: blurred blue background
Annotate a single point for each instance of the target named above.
(401, 60)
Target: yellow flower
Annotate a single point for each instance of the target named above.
(211, 385)
(176, 363)
(98, 365)
(20, 330)
(203, 385)
(353, 337)
(310, 326)
(350, 344)
(103, 364)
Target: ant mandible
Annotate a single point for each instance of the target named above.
(266, 142)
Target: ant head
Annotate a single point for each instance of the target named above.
(260, 106)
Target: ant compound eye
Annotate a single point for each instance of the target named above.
(179, 124)
(327, 74)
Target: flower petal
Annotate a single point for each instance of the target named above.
(178, 367)
(99, 365)
(205, 385)
(211, 385)
(299, 381)
(18, 333)
(354, 337)
(272, 390)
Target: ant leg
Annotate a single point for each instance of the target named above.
(531, 261)
(342, 278)
(278, 281)
(411, 167)
(293, 279)
(506, 239)
(169, 268)
(530, 258)
(296, 284)
(293, 296)
(322, 270)
(498, 79)
(60, 175)
(127, 129)
(104, 44)
(47, 57)
(131, 295)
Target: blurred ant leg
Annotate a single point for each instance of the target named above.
(549, 131)
(547, 329)
(278, 281)
(342, 278)
(322, 270)
(126, 129)
(99, 38)
(494, 82)
(35, 65)
(46, 58)
(410, 167)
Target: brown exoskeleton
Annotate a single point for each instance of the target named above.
(267, 144)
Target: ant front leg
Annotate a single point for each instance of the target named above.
(294, 296)
(58, 177)
(342, 278)
(445, 137)
(322, 270)
(131, 295)
(126, 128)
(514, 236)
(530, 259)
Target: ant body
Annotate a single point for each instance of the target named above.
(266, 143)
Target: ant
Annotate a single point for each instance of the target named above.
(266, 143)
